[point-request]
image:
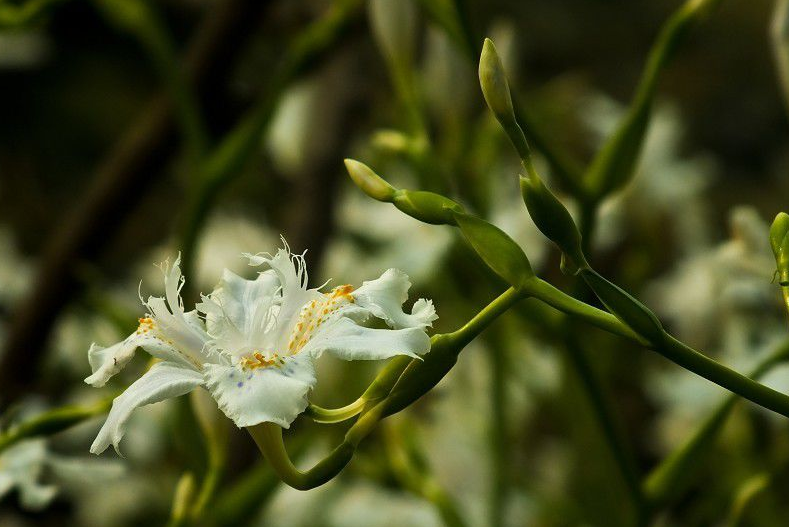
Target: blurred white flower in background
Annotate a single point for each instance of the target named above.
(668, 188)
(25, 465)
(722, 296)
(720, 299)
(21, 468)
(23, 48)
(376, 236)
(368, 505)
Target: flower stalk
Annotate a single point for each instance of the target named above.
(375, 392)
(52, 422)
(419, 377)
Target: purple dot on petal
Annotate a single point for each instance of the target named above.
(240, 384)
(249, 376)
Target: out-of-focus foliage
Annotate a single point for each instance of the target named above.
(118, 118)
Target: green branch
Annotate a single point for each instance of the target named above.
(669, 478)
(52, 422)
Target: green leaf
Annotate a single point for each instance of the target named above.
(553, 219)
(624, 306)
(496, 248)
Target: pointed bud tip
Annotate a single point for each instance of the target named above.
(493, 81)
(779, 234)
(371, 183)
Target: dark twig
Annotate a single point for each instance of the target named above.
(115, 192)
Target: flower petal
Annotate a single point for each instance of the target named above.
(384, 298)
(291, 270)
(183, 330)
(349, 341)
(35, 496)
(106, 362)
(239, 311)
(163, 381)
(21, 466)
(276, 394)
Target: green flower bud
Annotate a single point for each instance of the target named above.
(496, 248)
(183, 497)
(554, 221)
(779, 241)
(624, 306)
(371, 183)
(496, 90)
(493, 81)
(427, 207)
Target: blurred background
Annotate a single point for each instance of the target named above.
(132, 131)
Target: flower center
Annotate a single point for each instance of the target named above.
(316, 313)
(146, 326)
(260, 360)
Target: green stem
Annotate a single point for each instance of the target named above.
(416, 477)
(690, 359)
(161, 48)
(785, 294)
(561, 301)
(214, 426)
(140, 19)
(566, 169)
(616, 161)
(780, 41)
(268, 437)
(669, 347)
(335, 415)
(182, 497)
(471, 329)
(417, 379)
(670, 477)
(602, 413)
(226, 161)
(498, 431)
(52, 422)
(378, 389)
(746, 493)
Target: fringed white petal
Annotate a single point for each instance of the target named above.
(291, 270)
(349, 341)
(274, 394)
(239, 312)
(164, 380)
(185, 331)
(106, 362)
(384, 298)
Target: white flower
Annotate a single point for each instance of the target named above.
(252, 343)
(23, 464)
(21, 467)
